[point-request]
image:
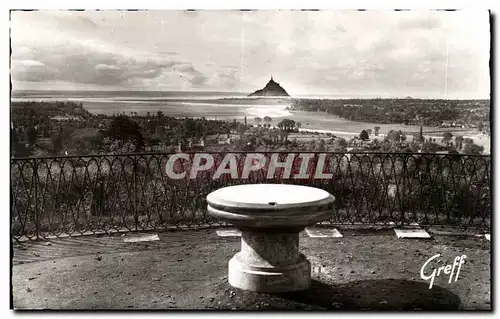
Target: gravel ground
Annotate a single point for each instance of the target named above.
(187, 270)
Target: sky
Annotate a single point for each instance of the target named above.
(428, 54)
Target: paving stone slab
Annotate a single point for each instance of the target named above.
(141, 238)
(449, 232)
(228, 233)
(411, 233)
(323, 232)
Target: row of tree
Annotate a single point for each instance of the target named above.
(409, 111)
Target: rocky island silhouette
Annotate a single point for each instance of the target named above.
(272, 88)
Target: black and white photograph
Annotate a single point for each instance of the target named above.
(251, 159)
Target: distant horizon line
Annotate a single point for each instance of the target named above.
(242, 93)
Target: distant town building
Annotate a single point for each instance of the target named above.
(65, 118)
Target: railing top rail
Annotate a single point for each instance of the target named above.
(242, 152)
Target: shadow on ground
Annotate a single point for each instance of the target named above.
(387, 294)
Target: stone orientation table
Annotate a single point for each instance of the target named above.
(270, 218)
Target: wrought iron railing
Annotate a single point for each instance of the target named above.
(60, 196)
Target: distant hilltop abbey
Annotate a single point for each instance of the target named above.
(271, 89)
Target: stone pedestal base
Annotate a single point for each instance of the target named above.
(270, 262)
(270, 218)
(280, 279)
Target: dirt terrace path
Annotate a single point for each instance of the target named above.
(187, 270)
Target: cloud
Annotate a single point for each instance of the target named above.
(71, 19)
(168, 53)
(84, 64)
(326, 51)
(411, 20)
(198, 80)
(191, 74)
(29, 63)
(186, 68)
(227, 79)
(106, 67)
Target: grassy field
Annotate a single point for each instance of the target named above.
(238, 108)
(324, 121)
(345, 128)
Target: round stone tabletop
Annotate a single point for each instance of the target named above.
(271, 205)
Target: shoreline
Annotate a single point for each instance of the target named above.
(380, 134)
(223, 110)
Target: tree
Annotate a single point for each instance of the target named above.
(430, 147)
(274, 135)
(459, 141)
(124, 130)
(418, 137)
(414, 147)
(242, 128)
(286, 125)
(188, 127)
(340, 145)
(386, 146)
(198, 130)
(268, 120)
(364, 135)
(31, 136)
(402, 136)
(319, 145)
(447, 137)
(160, 132)
(257, 120)
(18, 149)
(160, 118)
(393, 136)
(56, 142)
(298, 125)
(89, 142)
(283, 135)
(377, 129)
(452, 150)
(473, 149)
(468, 141)
(369, 131)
